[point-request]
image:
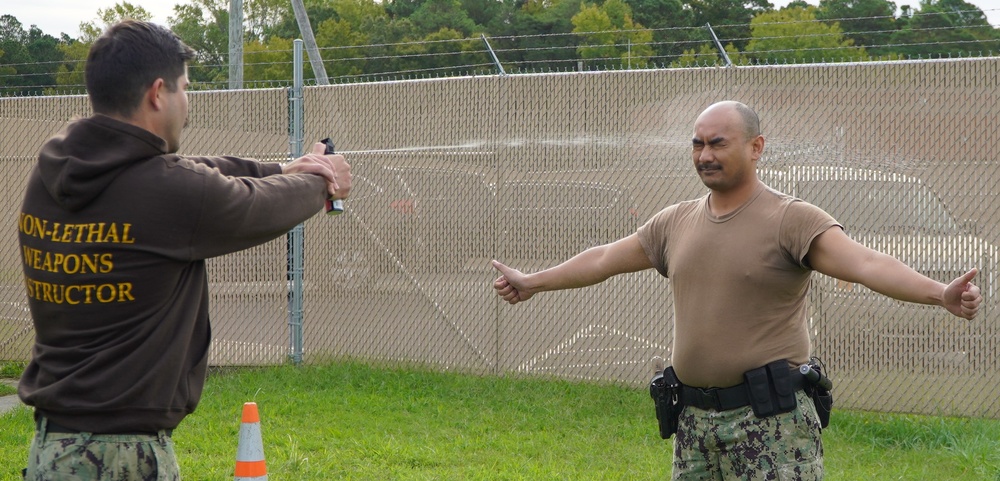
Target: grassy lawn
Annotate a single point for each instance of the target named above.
(359, 422)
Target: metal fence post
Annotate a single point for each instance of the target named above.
(493, 55)
(718, 45)
(295, 236)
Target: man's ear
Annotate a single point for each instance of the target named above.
(758, 147)
(153, 94)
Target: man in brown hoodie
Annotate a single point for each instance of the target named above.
(114, 231)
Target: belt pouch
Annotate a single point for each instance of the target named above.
(759, 392)
(784, 389)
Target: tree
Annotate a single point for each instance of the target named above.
(331, 36)
(450, 50)
(490, 15)
(729, 18)
(869, 23)
(318, 12)
(944, 28)
(263, 18)
(793, 35)
(708, 55)
(89, 31)
(204, 26)
(399, 9)
(610, 37)
(69, 74)
(538, 36)
(268, 61)
(595, 29)
(670, 23)
(45, 55)
(434, 15)
(28, 58)
(13, 54)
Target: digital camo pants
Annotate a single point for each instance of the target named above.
(736, 445)
(101, 457)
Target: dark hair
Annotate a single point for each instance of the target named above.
(125, 60)
(751, 122)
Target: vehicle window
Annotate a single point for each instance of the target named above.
(907, 207)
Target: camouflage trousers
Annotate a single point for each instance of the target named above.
(101, 457)
(737, 445)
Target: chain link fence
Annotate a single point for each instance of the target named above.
(531, 169)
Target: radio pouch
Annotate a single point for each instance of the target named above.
(770, 389)
(665, 391)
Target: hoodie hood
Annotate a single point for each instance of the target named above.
(77, 164)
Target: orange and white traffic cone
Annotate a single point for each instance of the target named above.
(250, 464)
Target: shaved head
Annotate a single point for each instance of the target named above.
(749, 118)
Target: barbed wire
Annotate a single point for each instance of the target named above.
(526, 53)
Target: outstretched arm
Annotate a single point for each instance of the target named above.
(587, 268)
(835, 254)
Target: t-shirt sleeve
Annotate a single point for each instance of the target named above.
(654, 235)
(803, 223)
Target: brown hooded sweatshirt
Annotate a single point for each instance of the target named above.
(114, 233)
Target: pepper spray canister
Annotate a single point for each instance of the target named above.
(333, 206)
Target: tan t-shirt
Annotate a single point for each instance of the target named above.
(740, 283)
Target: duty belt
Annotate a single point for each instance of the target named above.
(724, 399)
(51, 427)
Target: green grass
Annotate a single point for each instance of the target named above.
(11, 369)
(358, 422)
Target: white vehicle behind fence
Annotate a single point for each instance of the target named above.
(901, 216)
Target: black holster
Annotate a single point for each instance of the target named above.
(665, 391)
(821, 396)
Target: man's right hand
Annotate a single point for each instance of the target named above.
(333, 167)
(511, 284)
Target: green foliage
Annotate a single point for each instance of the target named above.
(595, 27)
(610, 36)
(13, 51)
(204, 26)
(669, 22)
(944, 28)
(69, 74)
(261, 18)
(706, 55)
(793, 35)
(109, 16)
(360, 38)
(265, 61)
(335, 34)
(730, 18)
(434, 15)
(869, 23)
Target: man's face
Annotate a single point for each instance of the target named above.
(722, 154)
(177, 112)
